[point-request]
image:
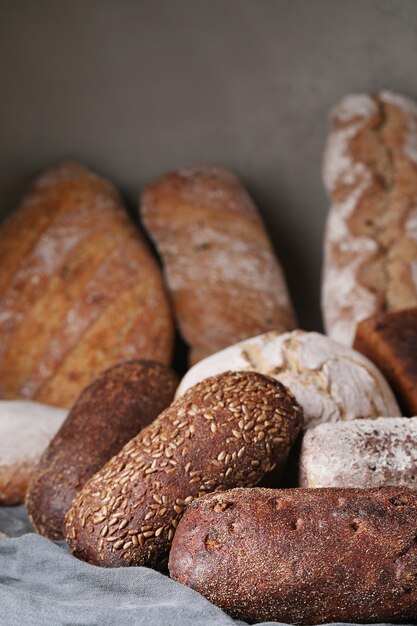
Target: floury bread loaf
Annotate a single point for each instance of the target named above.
(224, 279)
(370, 172)
(363, 453)
(26, 428)
(330, 381)
(225, 432)
(302, 556)
(79, 289)
(109, 412)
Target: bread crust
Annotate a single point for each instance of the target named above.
(109, 412)
(225, 432)
(220, 268)
(370, 172)
(302, 556)
(79, 289)
(390, 340)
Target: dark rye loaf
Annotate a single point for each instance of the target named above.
(108, 413)
(225, 432)
(302, 556)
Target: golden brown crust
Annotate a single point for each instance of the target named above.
(14, 482)
(220, 267)
(79, 289)
(302, 556)
(108, 413)
(370, 171)
(390, 340)
(228, 430)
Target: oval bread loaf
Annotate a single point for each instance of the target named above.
(370, 171)
(302, 556)
(330, 381)
(26, 428)
(108, 413)
(225, 432)
(79, 289)
(220, 267)
(363, 453)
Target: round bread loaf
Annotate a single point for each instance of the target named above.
(26, 428)
(225, 432)
(108, 413)
(363, 453)
(302, 556)
(225, 280)
(330, 381)
(79, 289)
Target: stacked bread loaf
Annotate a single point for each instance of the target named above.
(79, 289)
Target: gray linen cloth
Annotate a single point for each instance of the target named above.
(41, 584)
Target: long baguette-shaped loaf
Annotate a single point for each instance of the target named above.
(220, 268)
(370, 172)
(108, 413)
(302, 556)
(228, 431)
(79, 289)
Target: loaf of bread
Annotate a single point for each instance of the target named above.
(330, 381)
(390, 341)
(302, 556)
(370, 171)
(79, 289)
(109, 412)
(26, 428)
(362, 453)
(220, 268)
(225, 432)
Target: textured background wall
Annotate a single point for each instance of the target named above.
(135, 88)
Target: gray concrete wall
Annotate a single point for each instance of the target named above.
(136, 88)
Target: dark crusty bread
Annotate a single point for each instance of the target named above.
(227, 431)
(220, 267)
(108, 413)
(390, 341)
(79, 289)
(302, 556)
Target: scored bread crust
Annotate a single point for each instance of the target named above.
(225, 432)
(109, 412)
(330, 381)
(225, 281)
(370, 172)
(79, 289)
(302, 556)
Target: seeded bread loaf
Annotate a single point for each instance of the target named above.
(302, 556)
(108, 413)
(390, 341)
(225, 432)
(330, 381)
(363, 453)
(370, 171)
(79, 289)
(220, 268)
(26, 428)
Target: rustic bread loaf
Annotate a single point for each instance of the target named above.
(26, 428)
(362, 453)
(224, 278)
(108, 413)
(225, 432)
(79, 289)
(330, 381)
(370, 171)
(390, 341)
(302, 556)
